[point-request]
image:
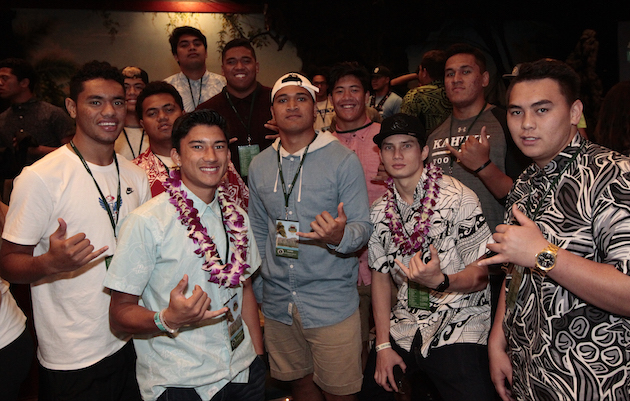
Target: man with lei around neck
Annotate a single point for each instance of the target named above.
(429, 233)
(309, 207)
(194, 317)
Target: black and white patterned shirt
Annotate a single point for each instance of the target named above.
(459, 232)
(561, 347)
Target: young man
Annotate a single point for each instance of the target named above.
(60, 235)
(325, 109)
(195, 83)
(429, 102)
(429, 233)
(350, 83)
(210, 303)
(132, 141)
(158, 106)
(562, 328)
(243, 102)
(309, 294)
(473, 144)
(386, 102)
(31, 127)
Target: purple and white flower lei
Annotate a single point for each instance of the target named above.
(411, 244)
(230, 274)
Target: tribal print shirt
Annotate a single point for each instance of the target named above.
(459, 233)
(561, 347)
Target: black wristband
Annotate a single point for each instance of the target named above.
(486, 164)
(443, 285)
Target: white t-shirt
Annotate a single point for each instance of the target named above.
(134, 137)
(71, 310)
(12, 319)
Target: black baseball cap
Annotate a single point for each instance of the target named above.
(401, 124)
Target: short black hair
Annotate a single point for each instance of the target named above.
(186, 122)
(238, 42)
(464, 48)
(94, 70)
(433, 61)
(185, 30)
(346, 68)
(155, 88)
(561, 72)
(22, 69)
(135, 72)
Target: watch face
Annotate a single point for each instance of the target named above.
(546, 260)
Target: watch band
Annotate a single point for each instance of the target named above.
(552, 251)
(444, 284)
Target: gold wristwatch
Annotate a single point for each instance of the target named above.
(546, 259)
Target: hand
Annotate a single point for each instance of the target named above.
(326, 228)
(384, 375)
(500, 369)
(273, 126)
(381, 174)
(71, 253)
(232, 140)
(473, 153)
(518, 244)
(429, 275)
(182, 311)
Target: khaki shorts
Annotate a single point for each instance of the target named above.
(331, 353)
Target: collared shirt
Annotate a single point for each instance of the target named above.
(44, 123)
(210, 83)
(429, 103)
(322, 282)
(361, 142)
(154, 252)
(459, 232)
(559, 343)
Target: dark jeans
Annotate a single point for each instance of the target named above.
(111, 379)
(253, 390)
(450, 373)
(15, 361)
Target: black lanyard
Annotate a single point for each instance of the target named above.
(284, 188)
(168, 171)
(450, 130)
(131, 147)
(379, 106)
(322, 113)
(105, 204)
(192, 97)
(251, 113)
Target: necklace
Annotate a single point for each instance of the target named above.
(356, 129)
(229, 274)
(412, 243)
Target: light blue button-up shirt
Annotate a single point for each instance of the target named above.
(153, 254)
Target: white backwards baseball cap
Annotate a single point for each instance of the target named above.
(294, 79)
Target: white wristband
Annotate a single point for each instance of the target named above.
(383, 346)
(164, 325)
